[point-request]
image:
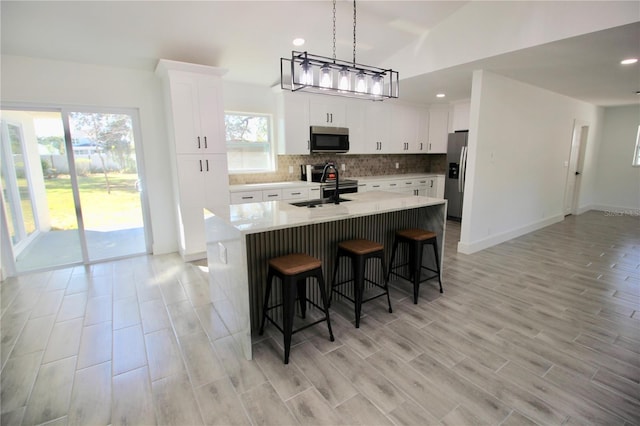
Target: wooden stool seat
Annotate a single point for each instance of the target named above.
(416, 238)
(360, 251)
(416, 234)
(293, 264)
(293, 271)
(360, 246)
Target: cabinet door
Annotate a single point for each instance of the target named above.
(211, 113)
(356, 122)
(405, 129)
(216, 179)
(323, 112)
(191, 181)
(293, 124)
(186, 119)
(422, 187)
(422, 144)
(439, 193)
(378, 128)
(438, 130)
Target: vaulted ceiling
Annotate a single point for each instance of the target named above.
(249, 37)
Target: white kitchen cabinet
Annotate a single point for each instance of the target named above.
(293, 123)
(295, 194)
(271, 194)
(405, 129)
(246, 197)
(195, 117)
(324, 111)
(438, 130)
(378, 129)
(314, 193)
(440, 186)
(357, 124)
(198, 114)
(203, 181)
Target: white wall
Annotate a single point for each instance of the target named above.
(36, 82)
(519, 141)
(617, 182)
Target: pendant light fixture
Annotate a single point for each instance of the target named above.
(313, 73)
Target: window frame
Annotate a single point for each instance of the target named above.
(269, 168)
(635, 161)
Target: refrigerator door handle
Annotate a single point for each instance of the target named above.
(460, 165)
(463, 169)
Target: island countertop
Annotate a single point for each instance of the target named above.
(272, 215)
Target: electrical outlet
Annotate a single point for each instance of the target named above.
(290, 169)
(343, 167)
(397, 165)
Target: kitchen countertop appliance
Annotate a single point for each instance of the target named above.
(457, 165)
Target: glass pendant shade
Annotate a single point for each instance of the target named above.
(326, 78)
(376, 87)
(344, 79)
(361, 83)
(306, 77)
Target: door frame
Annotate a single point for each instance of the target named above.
(8, 265)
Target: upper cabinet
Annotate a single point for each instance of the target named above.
(409, 124)
(293, 123)
(461, 112)
(438, 130)
(197, 111)
(325, 111)
(377, 129)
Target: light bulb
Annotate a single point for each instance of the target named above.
(376, 88)
(361, 82)
(344, 80)
(306, 77)
(326, 79)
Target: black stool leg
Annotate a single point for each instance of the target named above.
(416, 249)
(386, 280)
(267, 296)
(434, 243)
(288, 308)
(358, 284)
(393, 257)
(335, 274)
(302, 296)
(325, 302)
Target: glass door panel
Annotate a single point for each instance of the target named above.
(108, 183)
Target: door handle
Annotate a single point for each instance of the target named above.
(463, 168)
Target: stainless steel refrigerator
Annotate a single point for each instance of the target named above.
(456, 164)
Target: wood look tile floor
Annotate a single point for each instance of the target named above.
(543, 329)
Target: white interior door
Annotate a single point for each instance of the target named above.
(574, 172)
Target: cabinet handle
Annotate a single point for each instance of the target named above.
(331, 117)
(407, 183)
(431, 186)
(199, 142)
(207, 164)
(205, 142)
(247, 198)
(328, 118)
(393, 184)
(200, 164)
(272, 195)
(420, 146)
(429, 146)
(296, 193)
(307, 145)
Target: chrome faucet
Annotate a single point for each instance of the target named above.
(323, 179)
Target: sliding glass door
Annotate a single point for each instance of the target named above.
(71, 191)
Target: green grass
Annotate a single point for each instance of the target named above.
(101, 210)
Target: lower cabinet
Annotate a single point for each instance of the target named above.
(200, 186)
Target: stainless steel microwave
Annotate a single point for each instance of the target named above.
(329, 139)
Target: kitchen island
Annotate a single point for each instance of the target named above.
(242, 238)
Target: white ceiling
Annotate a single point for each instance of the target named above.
(249, 37)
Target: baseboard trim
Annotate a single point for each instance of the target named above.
(492, 240)
(617, 210)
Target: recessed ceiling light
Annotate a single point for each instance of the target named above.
(629, 61)
(440, 95)
(298, 41)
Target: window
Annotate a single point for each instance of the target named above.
(249, 147)
(636, 153)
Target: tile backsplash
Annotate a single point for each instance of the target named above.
(355, 165)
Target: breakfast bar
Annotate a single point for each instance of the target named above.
(242, 237)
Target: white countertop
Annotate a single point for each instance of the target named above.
(271, 215)
(394, 177)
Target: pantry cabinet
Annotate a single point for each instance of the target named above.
(293, 123)
(195, 120)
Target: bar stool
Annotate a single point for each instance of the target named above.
(293, 270)
(416, 239)
(359, 251)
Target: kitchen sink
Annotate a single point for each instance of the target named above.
(317, 203)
